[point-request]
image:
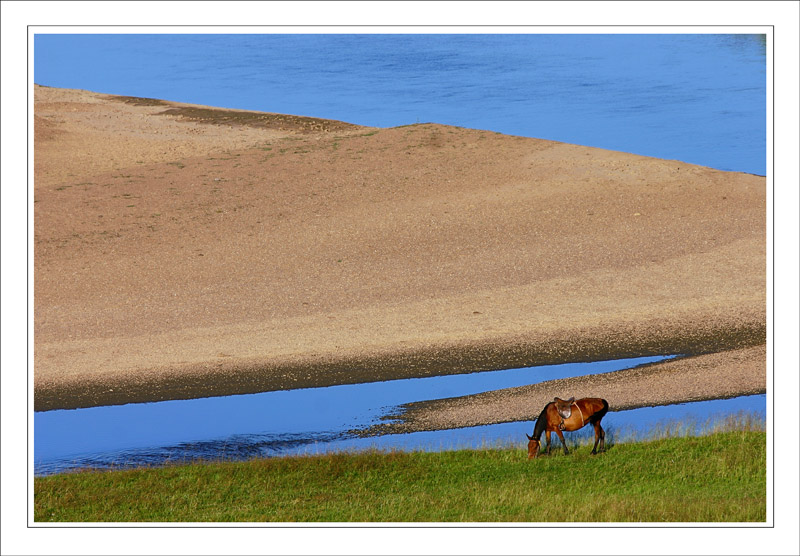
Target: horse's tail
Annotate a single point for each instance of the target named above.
(595, 417)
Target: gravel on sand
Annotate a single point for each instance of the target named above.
(182, 251)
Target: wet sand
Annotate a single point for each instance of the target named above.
(184, 251)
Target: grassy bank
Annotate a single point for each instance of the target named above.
(720, 477)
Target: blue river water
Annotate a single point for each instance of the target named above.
(306, 420)
(698, 98)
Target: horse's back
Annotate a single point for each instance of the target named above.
(598, 408)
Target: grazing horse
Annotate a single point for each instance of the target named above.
(569, 415)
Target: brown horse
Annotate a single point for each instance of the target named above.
(569, 415)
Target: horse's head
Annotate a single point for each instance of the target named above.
(533, 447)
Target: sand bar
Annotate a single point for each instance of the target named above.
(184, 251)
(704, 377)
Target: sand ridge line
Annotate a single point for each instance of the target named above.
(224, 254)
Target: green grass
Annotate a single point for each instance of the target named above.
(716, 478)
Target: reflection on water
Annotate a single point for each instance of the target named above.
(301, 421)
(234, 448)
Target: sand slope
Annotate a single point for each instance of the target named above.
(183, 251)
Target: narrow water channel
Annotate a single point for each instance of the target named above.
(310, 420)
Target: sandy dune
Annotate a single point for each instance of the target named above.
(184, 251)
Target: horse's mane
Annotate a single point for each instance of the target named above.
(541, 423)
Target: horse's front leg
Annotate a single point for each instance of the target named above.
(563, 442)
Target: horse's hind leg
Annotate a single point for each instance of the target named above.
(598, 431)
(599, 436)
(563, 442)
(547, 436)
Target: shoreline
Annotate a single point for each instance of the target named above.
(250, 377)
(685, 379)
(184, 251)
